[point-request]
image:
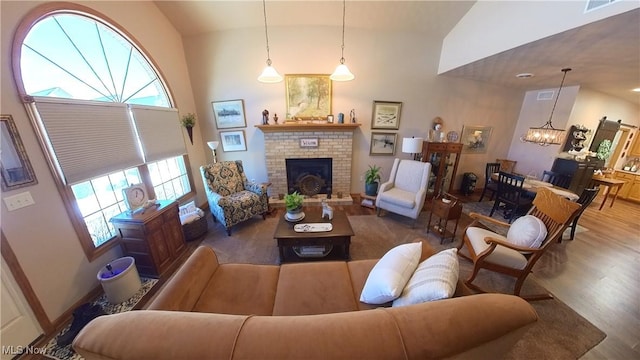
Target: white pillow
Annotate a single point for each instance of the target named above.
(391, 273)
(527, 231)
(435, 278)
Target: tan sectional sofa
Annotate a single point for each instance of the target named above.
(300, 311)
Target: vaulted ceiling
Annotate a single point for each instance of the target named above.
(605, 54)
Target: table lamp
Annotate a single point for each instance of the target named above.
(412, 145)
(213, 145)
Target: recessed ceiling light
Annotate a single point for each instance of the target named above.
(524, 75)
(636, 90)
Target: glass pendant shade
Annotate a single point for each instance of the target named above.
(270, 75)
(342, 73)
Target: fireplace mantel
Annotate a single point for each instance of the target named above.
(308, 127)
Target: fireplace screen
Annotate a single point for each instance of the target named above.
(309, 176)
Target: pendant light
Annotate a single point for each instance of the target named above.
(269, 74)
(342, 72)
(546, 134)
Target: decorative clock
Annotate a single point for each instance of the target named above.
(135, 196)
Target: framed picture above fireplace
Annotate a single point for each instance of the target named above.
(233, 141)
(383, 143)
(308, 96)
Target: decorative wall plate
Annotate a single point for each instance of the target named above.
(452, 136)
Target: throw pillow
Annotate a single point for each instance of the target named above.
(391, 273)
(527, 231)
(435, 278)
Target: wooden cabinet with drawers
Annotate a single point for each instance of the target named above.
(153, 238)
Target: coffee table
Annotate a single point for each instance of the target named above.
(308, 246)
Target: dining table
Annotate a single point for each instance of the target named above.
(533, 185)
(608, 183)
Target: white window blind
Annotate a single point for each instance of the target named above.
(159, 131)
(89, 138)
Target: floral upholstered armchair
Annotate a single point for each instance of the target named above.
(233, 199)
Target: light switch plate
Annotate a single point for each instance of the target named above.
(18, 201)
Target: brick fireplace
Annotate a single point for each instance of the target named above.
(335, 141)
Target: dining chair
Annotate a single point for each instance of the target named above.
(507, 165)
(585, 200)
(556, 179)
(506, 254)
(490, 184)
(511, 194)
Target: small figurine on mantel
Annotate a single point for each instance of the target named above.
(275, 118)
(352, 116)
(265, 117)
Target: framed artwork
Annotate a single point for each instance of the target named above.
(308, 96)
(309, 142)
(475, 139)
(14, 165)
(383, 143)
(229, 114)
(233, 141)
(386, 115)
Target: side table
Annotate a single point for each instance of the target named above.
(445, 212)
(368, 201)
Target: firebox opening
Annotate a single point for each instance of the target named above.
(309, 176)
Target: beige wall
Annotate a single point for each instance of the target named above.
(389, 66)
(41, 235)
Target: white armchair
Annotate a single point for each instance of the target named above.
(405, 192)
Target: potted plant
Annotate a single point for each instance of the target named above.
(293, 203)
(371, 180)
(189, 121)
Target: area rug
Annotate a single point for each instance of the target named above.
(53, 351)
(484, 208)
(560, 333)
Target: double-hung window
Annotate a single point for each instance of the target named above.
(103, 114)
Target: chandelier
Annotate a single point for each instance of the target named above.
(546, 134)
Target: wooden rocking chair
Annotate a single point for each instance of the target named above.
(493, 252)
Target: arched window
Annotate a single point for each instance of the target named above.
(89, 90)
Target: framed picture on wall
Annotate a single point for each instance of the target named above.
(229, 114)
(308, 96)
(386, 115)
(475, 139)
(383, 143)
(233, 141)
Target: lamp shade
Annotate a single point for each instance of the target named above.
(544, 136)
(270, 75)
(342, 73)
(412, 145)
(213, 144)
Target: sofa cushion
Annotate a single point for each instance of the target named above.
(501, 255)
(527, 231)
(240, 289)
(314, 288)
(391, 273)
(359, 271)
(434, 279)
